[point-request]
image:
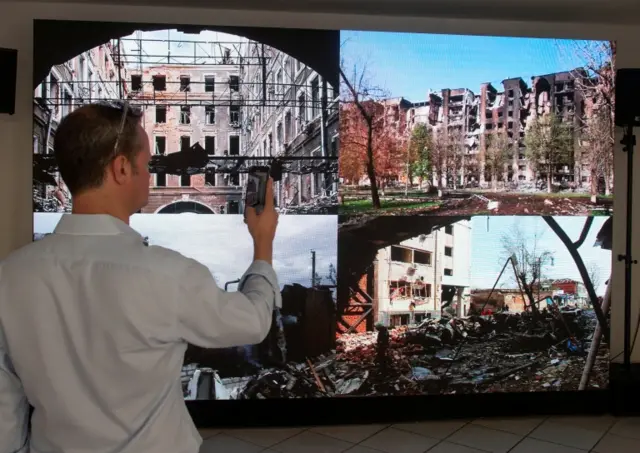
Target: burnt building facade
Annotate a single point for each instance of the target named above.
(91, 76)
(294, 113)
(510, 109)
(185, 105)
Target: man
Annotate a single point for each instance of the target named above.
(94, 324)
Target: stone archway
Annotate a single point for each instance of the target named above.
(185, 206)
(60, 40)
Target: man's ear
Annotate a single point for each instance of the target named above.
(121, 169)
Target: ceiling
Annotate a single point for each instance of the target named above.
(594, 11)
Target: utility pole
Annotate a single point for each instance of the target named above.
(313, 268)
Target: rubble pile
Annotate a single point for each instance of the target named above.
(318, 205)
(479, 354)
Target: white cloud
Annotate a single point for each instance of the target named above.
(222, 242)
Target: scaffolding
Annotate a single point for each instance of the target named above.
(253, 82)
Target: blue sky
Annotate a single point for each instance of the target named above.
(408, 64)
(222, 242)
(487, 249)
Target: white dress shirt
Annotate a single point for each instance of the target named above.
(93, 330)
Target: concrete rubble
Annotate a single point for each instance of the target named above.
(501, 352)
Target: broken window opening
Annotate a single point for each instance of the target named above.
(161, 179)
(401, 254)
(159, 83)
(448, 251)
(234, 180)
(161, 114)
(161, 145)
(448, 229)
(210, 114)
(210, 179)
(279, 135)
(420, 257)
(209, 84)
(185, 114)
(55, 93)
(233, 207)
(234, 83)
(448, 272)
(185, 143)
(315, 97)
(210, 144)
(185, 83)
(234, 145)
(136, 82)
(287, 127)
(302, 109)
(234, 114)
(185, 180)
(334, 147)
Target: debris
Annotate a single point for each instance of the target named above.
(503, 352)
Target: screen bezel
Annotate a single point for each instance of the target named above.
(292, 412)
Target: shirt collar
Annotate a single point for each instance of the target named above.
(94, 225)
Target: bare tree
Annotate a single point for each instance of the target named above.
(595, 83)
(496, 156)
(529, 259)
(595, 275)
(361, 94)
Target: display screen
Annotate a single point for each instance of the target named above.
(445, 201)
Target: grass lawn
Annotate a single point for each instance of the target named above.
(362, 206)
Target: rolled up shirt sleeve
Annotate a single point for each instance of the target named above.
(209, 317)
(257, 277)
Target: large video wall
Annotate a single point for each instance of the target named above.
(445, 204)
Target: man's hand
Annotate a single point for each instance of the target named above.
(262, 227)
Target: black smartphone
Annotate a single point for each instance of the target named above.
(256, 188)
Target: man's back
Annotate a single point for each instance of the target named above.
(94, 323)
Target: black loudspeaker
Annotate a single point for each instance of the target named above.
(8, 77)
(627, 97)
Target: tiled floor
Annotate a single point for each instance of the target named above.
(603, 434)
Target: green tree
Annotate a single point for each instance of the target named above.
(549, 142)
(419, 144)
(496, 156)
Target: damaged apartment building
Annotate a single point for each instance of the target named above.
(423, 276)
(510, 108)
(218, 95)
(91, 76)
(252, 101)
(185, 105)
(295, 113)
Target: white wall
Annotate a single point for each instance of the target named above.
(16, 31)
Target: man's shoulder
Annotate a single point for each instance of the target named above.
(170, 261)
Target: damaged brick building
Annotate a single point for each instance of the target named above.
(237, 98)
(510, 108)
(180, 112)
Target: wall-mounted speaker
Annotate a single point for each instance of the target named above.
(627, 97)
(8, 77)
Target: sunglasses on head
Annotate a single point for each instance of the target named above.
(127, 110)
